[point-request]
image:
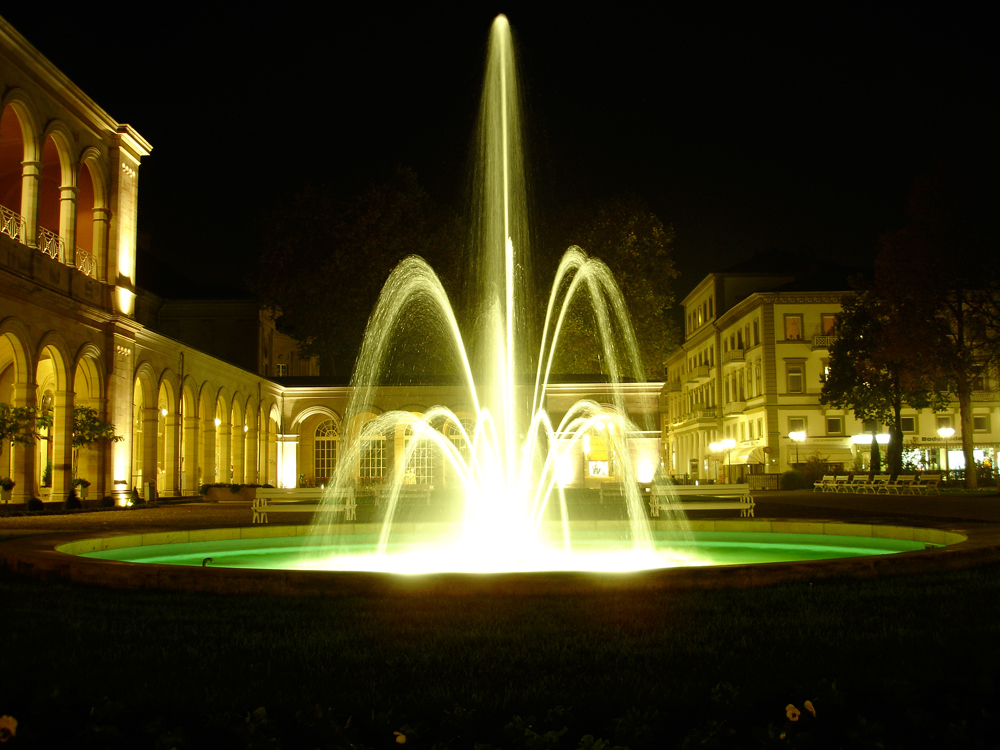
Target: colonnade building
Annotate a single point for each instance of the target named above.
(75, 330)
(751, 369)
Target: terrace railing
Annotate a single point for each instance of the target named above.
(85, 263)
(11, 224)
(51, 244)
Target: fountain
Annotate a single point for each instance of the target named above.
(514, 515)
(510, 461)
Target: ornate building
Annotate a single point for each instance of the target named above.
(751, 369)
(198, 396)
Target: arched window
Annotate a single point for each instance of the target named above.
(371, 460)
(458, 439)
(325, 451)
(420, 461)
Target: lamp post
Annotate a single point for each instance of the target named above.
(797, 437)
(946, 434)
(726, 445)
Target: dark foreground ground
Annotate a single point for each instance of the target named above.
(907, 661)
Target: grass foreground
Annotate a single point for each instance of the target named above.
(899, 662)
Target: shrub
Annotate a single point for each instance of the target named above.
(793, 480)
(6, 483)
(72, 501)
(107, 502)
(135, 498)
(203, 490)
(35, 504)
(234, 488)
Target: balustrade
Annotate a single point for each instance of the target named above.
(51, 244)
(85, 263)
(11, 224)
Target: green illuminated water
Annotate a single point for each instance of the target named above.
(707, 548)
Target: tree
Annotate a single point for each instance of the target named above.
(936, 275)
(873, 378)
(89, 429)
(637, 247)
(18, 425)
(322, 261)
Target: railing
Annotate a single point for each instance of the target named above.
(85, 263)
(672, 386)
(51, 244)
(734, 407)
(733, 355)
(698, 374)
(823, 342)
(985, 395)
(706, 414)
(11, 224)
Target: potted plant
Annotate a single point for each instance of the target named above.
(6, 485)
(81, 485)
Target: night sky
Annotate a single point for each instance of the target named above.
(765, 127)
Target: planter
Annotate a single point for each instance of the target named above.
(5, 496)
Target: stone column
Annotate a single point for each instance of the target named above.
(171, 455)
(237, 450)
(251, 464)
(150, 447)
(62, 445)
(224, 432)
(191, 474)
(67, 222)
(208, 475)
(288, 469)
(102, 219)
(31, 175)
(22, 457)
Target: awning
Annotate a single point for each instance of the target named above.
(754, 455)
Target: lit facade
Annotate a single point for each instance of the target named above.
(751, 370)
(195, 402)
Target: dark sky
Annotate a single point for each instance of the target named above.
(765, 126)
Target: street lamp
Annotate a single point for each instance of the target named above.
(797, 437)
(725, 445)
(946, 433)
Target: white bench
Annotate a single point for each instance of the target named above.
(743, 503)
(270, 500)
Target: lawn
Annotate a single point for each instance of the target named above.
(897, 662)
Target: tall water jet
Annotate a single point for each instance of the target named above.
(514, 513)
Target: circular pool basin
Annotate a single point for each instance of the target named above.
(293, 548)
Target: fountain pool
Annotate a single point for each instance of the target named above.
(717, 543)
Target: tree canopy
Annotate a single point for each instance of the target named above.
(636, 246)
(322, 261)
(936, 274)
(872, 377)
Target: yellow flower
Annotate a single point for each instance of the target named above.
(400, 738)
(8, 727)
(808, 706)
(792, 712)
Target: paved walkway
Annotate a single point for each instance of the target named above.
(962, 509)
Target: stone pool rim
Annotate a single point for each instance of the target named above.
(56, 556)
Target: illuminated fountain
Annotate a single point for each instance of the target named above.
(511, 461)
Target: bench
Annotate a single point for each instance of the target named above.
(857, 484)
(742, 501)
(825, 484)
(927, 483)
(903, 483)
(296, 500)
(878, 483)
